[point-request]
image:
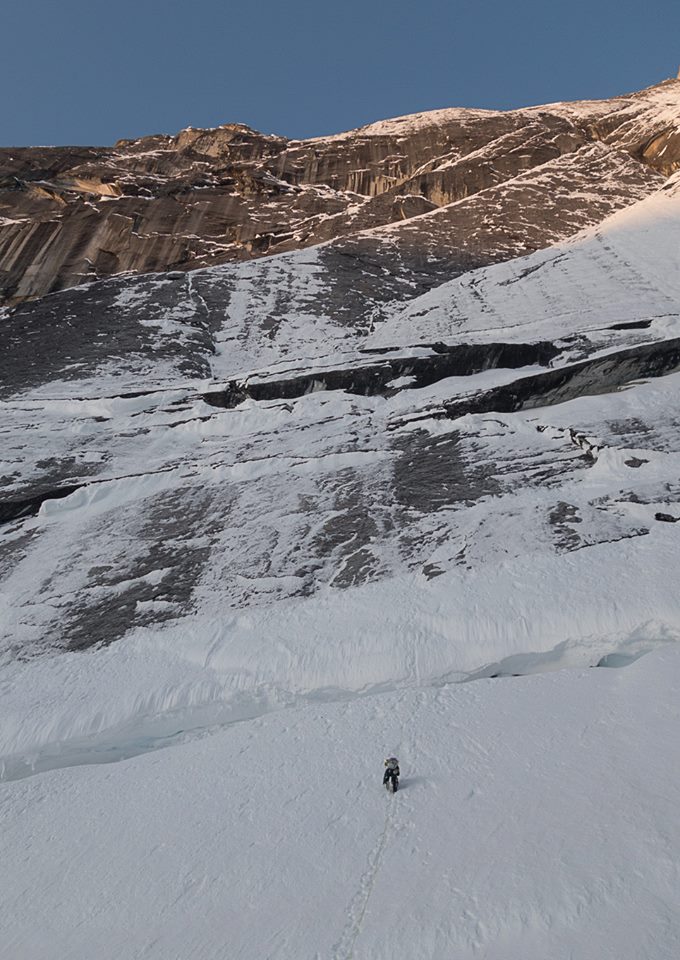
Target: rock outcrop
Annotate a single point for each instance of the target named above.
(439, 182)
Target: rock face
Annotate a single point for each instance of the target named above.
(462, 187)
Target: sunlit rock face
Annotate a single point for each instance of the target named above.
(495, 184)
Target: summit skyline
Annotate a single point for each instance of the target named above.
(80, 78)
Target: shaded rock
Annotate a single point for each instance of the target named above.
(587, 378)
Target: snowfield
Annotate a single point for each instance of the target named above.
(537, 817)
(261, 529)
(626, 270)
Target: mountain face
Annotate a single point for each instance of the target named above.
(205, 197)
(306, 436)
(348, 356)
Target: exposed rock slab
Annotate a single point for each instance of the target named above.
(204, 197)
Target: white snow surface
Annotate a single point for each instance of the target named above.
(537, 817)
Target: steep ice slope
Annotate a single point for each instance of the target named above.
(275, 551)
(537, 818)
(625, 270)
(169, 483)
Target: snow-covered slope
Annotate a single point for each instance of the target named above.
(537, 818)
(625, 270)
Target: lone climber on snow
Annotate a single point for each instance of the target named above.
(391, 773)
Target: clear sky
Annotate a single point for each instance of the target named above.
(90, 71)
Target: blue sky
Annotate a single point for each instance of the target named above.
(88, 71)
